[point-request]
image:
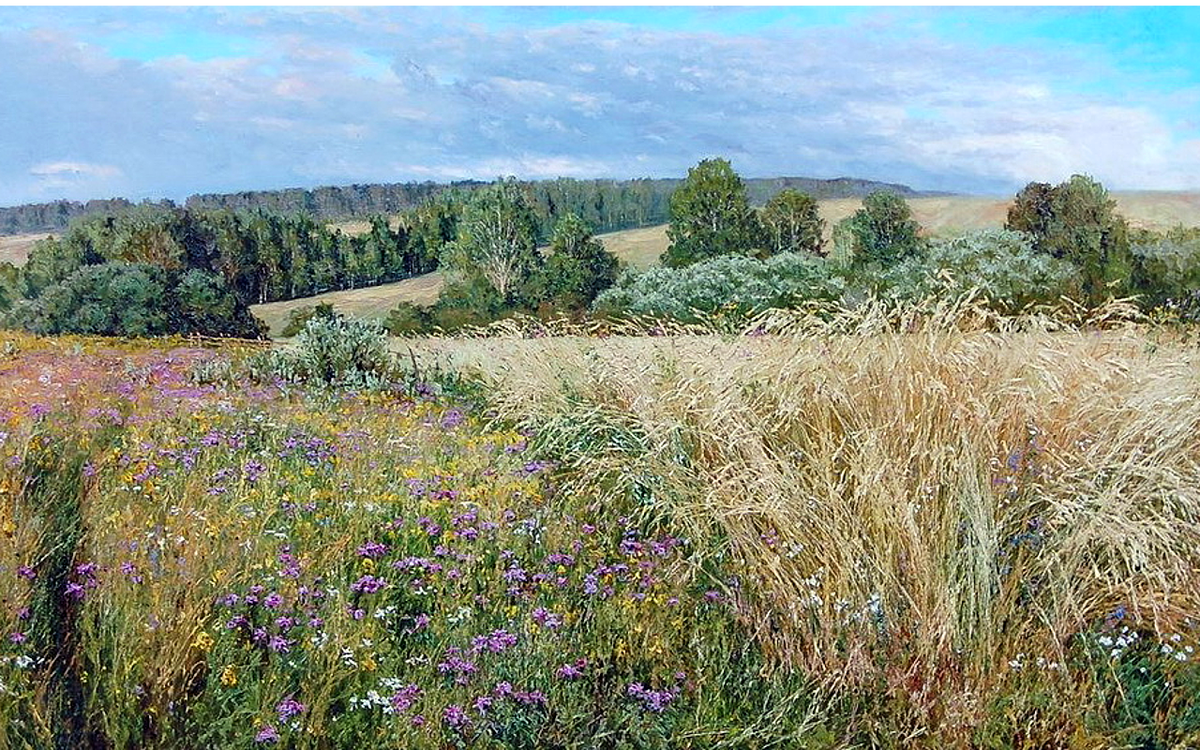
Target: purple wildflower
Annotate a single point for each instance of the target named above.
(655, 701)
(455, 717)
(454, 664)
(530, 698)
(546, 618)
(372, 550)
(405, 697)
(267, 735)
(482, 704)
(368, 584)
(288, 708)
(571, 671)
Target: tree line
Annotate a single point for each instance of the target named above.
(1065, 240)
(506, 247)
(607, 205)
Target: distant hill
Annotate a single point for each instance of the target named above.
(32, 218)
(613, 204)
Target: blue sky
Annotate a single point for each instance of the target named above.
(165, 102)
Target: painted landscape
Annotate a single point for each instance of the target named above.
(324, 436)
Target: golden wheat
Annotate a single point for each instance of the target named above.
(879, 481)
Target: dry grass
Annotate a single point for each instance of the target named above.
(370, 303)
(956, 499)
(15, 248)
(639, 248)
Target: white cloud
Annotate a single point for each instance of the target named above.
(73, 169)
(386, 94)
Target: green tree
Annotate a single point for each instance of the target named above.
(496, 239)
(108, 299)
(884, 231)
(203, 303)
(1077, 221)
(579, 267)
(711, 216)
(793, 223)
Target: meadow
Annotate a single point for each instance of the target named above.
(932, 529)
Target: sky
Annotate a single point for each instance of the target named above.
(166, 102)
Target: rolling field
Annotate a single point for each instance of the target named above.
(368, 303)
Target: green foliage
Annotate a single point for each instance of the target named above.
(332, 351)
(1000, 264)
(884, 231)
(1141, 695)
(733, 284)
(1167, 267)
(51, 261)
(110, 299)
(496, 240)
(135, 299)
(1077, 221)
(407, 318)
(579, 267)
(793, 223)
(205, 305)
(298, 318)
(10, 286)
(711, 216)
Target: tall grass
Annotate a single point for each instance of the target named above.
(919, 502)
(894, 528)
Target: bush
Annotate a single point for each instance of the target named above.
(110, 299)
(1001, 264)
(407, 318)
(331, 351)
(736, 284)
(136, 299)
(1168, 268)
(298, 318)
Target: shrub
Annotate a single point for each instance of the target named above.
(1168, 268)
(136, 299)
(332, 351)
(1001, 264)
(298, 318)
(407, 318)
(732, 283)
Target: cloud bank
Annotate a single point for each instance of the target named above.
(150, 103)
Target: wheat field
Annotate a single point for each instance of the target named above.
(981, 497)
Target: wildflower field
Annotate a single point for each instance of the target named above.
(886, 538)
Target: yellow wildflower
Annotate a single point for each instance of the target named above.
(203, 641)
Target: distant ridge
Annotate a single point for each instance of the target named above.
(340, 203)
